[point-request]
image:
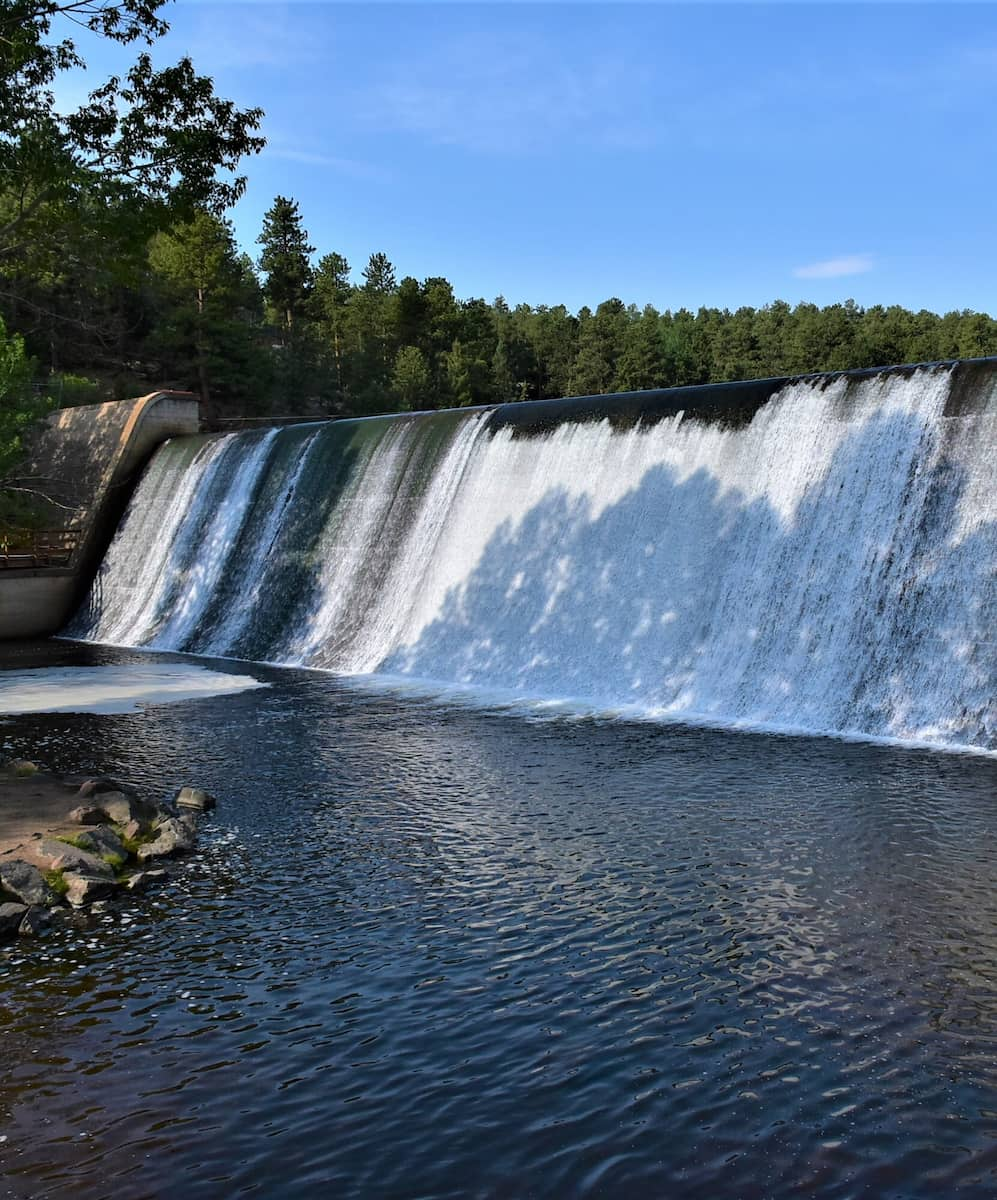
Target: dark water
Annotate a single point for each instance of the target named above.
(427, 951)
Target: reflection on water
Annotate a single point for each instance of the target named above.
(428, 951)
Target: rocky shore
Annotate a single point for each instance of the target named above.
(66, 844)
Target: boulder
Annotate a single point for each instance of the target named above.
(102, 840)
(195, 799)
(141, 881)
(63, 857)
(35, 922)
(88, 814)
(104, 783)
(122, 808)
(133, 830)
(84, 889)
(26, 882)
(11, 916)
(173, 836)
(188, 820)
(21, 767)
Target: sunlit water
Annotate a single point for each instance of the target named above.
(432, 951)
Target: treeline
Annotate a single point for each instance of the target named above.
(289, 334)
(119, 273)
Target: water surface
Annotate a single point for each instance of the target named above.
(432, 951)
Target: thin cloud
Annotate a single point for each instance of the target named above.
(836, 268)
(506, 94)
(259, 39)
(345, 166)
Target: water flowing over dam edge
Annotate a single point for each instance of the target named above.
(806, 555)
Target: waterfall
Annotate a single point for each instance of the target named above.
(824, 562)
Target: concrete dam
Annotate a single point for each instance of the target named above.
(815, 554)
(84, 462)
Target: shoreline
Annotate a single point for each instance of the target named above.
(69, 843)
(33, 807)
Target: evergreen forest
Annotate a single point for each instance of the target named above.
(120, 274)
(293, 332)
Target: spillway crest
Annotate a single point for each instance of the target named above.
(825, 562)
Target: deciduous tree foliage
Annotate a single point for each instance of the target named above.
(21, 403)
(152, 143)
(82, 190)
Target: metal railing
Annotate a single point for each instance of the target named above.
(29, 549)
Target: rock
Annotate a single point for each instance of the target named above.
(194, 798)
(173, 836)
(26, 882)
(22, 767)
(104, 783)
(123, 808)
(63, 857)
(141, 881)
(132, 831)
(88, 814)
(101, 841)
(84, 889)
(35, 922)
(11, 916)
(189, 822)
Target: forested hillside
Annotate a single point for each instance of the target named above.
(298, 332)
(120, 273)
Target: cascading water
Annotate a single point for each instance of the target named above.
(827, 563)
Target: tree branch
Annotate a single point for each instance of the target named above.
(38, 495)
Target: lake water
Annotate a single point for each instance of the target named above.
(429, 950)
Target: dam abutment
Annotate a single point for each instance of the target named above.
(85, 462)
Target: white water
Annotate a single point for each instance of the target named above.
(213, 549)
(254, 569)
(139, 567)
(828, 566)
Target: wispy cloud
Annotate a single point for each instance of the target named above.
(344, 166)
(836, 268)
(250, 38)
(507, 93)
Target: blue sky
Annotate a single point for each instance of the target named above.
(674, 154)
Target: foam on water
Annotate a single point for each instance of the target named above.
(113, 689)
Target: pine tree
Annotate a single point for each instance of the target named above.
(600, 344)
(503, 384)
(208, 302)
(643, 363)
(332, 294)
(285, 262)
(458, 376)
(410, 382)
(374, 306)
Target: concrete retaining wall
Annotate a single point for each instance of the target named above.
(86, 460)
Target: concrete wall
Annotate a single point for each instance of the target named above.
(87, 461)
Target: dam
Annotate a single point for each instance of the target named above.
(809, 555)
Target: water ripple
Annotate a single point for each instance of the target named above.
(429, 952)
